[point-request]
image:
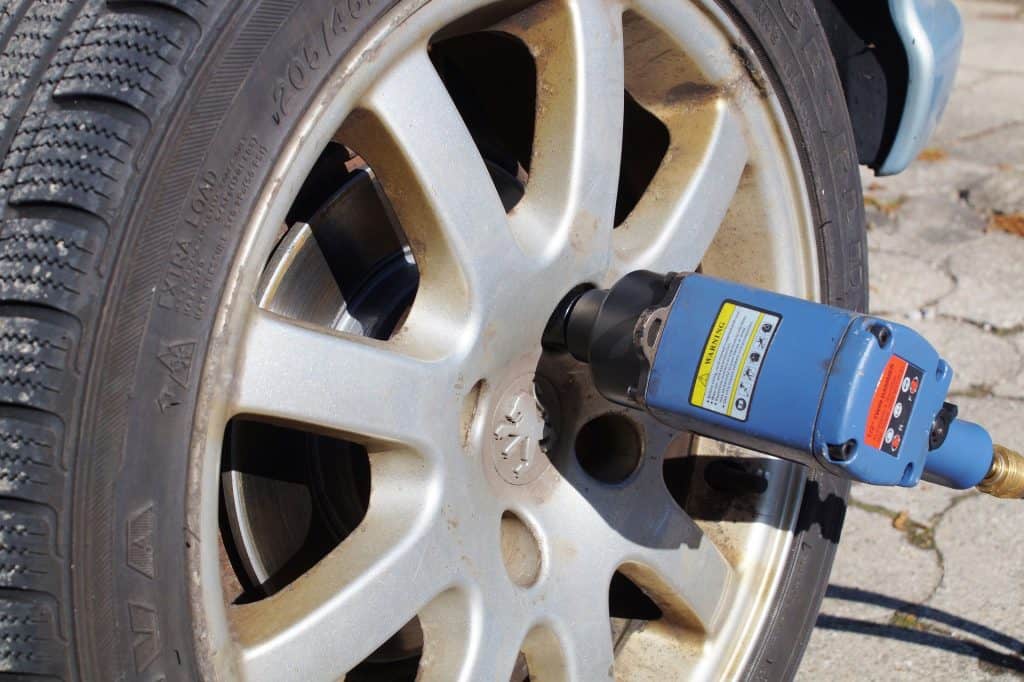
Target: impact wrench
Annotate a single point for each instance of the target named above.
(862, 397)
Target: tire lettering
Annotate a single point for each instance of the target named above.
(312, 58)
(216, 204)
(143, 620)
(792, 14)
(280, 102)
(296, 76)
(308, 56)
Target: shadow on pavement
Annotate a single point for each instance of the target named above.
(925, 636)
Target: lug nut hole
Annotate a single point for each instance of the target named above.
(519, 550)
(609, 448)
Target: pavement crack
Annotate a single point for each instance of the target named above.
(933, 526)
(984, 326)
(984, 392)
(873, 508)
(952, 504)
(984, 132)
(918, 534)
(974, 391)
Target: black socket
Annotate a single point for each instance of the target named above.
(599, 327)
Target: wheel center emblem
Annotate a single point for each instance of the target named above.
(523, 430)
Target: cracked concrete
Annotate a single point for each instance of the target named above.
(980, 359)
(987, 271)
(929, 583)
(1013, 387)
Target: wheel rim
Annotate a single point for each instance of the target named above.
(494, 561)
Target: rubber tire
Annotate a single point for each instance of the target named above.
(135, 136)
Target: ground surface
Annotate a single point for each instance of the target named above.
(929, 583)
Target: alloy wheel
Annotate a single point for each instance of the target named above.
(507, 521)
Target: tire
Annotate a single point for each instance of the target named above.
(121, 121)
(791, 40)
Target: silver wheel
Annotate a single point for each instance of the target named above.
(503, 499)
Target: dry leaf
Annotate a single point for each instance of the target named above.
(933, 154)
(909, 621)
(1013, 223)
(886, 207)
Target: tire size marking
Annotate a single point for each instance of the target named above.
(313, 54)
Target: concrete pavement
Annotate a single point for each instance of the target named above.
(929, 583)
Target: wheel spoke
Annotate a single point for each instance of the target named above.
(656, 544)
(471, 635)
(574, 173)
(589, 652)
(435, 178)
(356, 598)
(673, 226)
(584, 638)
(447, 624)
(495, 650)
(340, 384)
(684, 572)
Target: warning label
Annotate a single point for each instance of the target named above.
(733, 356)
(892, 404)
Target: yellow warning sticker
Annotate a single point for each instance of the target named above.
(732, 359)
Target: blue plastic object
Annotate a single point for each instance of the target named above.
(949, 466)
(812, 383)
(932, 34)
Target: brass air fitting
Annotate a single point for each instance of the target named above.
(1006, 477)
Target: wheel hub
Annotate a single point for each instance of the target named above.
(523, 429)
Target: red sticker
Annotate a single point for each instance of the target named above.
(891, 407)
(886, 392)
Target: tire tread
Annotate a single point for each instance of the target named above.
(82, 85)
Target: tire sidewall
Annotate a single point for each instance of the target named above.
(133, 537)
(792, 47)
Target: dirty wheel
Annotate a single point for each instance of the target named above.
(274, 384)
